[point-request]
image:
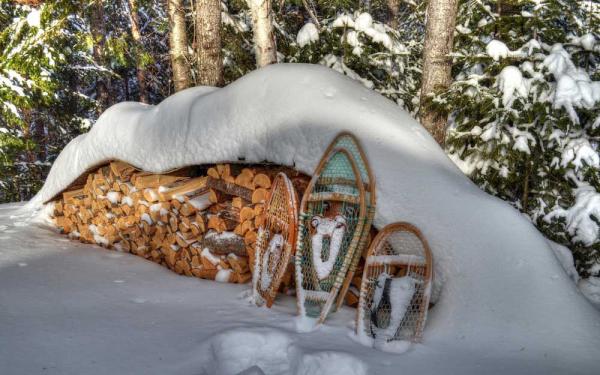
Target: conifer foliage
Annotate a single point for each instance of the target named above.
(41, 59)
(525, 107)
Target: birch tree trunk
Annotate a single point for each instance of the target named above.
(208, 38)
(98, 31)
(178, 44)
(437, 64)
(262, 28)
(137, 38)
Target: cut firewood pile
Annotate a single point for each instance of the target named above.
(203, 226)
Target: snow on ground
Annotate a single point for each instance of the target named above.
(69, 308)
(503, 302)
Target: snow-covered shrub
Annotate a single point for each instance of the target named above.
(525, 110)
(363, 49)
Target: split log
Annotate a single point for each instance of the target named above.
(176, 204)
(250, 237)
(247, 226)
(205, 273)
(261, 180)
(215, 196)
(246, 213)
(237, 202)
(122, 170)
(259, 221)
(243, 278)
(143, 181)
(212, 172)
(151, 195)
(200, 201)
(181, 188)
(238, 264)
(224, 170)
(259, 195)
(224, 243)
(216, 223)
(69, 195)
(187, 209)
(246, 179)
(173, 223)
(259, 209)
(200, 223)
(230, 189)
(251, 252)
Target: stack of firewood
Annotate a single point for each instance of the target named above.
(203, 226)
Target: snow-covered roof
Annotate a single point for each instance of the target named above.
(497, 274)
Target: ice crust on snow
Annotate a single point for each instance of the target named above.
(497, 269)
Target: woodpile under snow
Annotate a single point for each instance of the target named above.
(203, 226)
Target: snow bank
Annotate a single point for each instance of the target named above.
(501, 286)
(591, 288)
(565, 257)
(272, 351)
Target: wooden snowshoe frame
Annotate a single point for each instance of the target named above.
(336, 189)
(281, 223)
(349, 142)
(399, 250)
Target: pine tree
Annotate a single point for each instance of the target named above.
(525, 106)
(42, 57)
(363, 49)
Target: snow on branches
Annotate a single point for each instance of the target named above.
(524, 109)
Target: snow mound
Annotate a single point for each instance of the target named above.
(565, 257)
(591, 288)
(500, 278)
(241, 350)
(272, 351)
(331, 363)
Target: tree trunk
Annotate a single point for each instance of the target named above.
(437, 64)
(98, 31)
(134, 18)
(126, 86)
(262, 28)
(178, 45)
(393, 10)
(208, 35)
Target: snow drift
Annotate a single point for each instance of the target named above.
(498, 282)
